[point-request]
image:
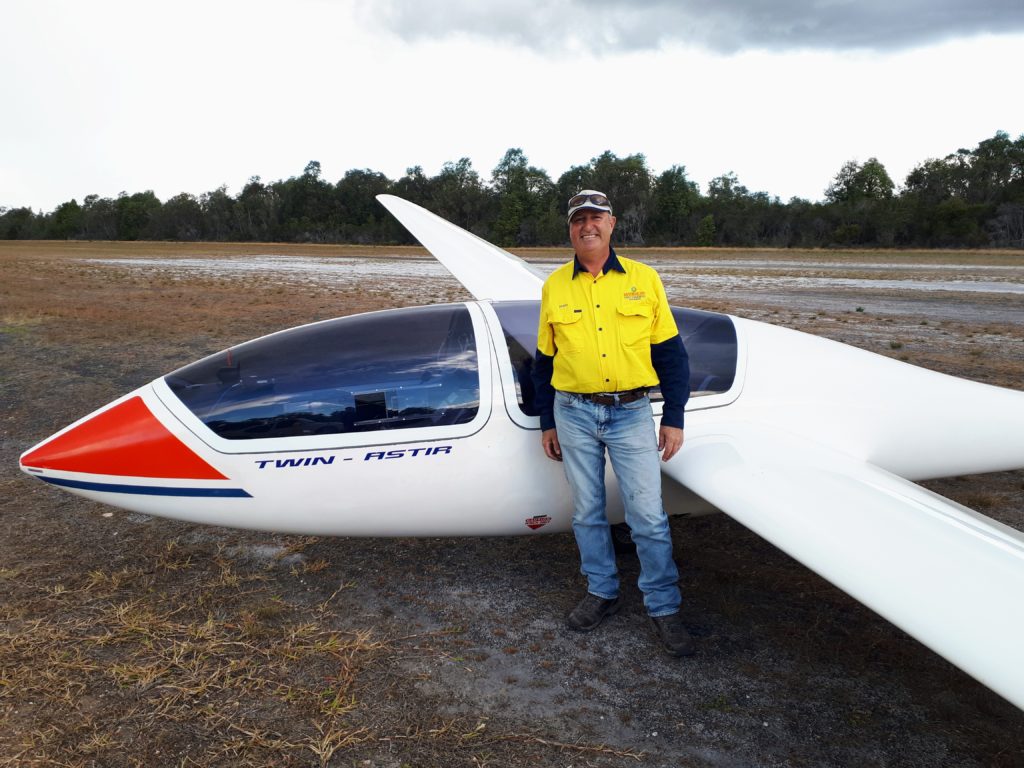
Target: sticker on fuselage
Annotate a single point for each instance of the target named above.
(539, 521)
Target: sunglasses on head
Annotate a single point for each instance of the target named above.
(593, 199)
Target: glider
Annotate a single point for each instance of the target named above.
(419, 422)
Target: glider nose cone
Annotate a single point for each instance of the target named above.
(127, 440)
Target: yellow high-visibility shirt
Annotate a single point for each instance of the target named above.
(599, 330)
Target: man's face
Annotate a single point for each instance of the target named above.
(590, 232)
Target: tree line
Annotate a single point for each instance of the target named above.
(970, 198)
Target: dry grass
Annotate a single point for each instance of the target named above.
(109, 662)
(186, 658)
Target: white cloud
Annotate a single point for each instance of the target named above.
(116, 95)
(720, 25)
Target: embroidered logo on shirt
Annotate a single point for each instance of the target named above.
(634, 295)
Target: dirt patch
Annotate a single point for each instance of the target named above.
(127, 640)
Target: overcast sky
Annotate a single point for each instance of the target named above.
(108, 96)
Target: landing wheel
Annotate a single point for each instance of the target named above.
(622, 540)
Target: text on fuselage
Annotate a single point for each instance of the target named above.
(404, 453)
(312, 461)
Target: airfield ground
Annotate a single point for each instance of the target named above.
(132, 641)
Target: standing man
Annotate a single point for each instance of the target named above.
(606, 337)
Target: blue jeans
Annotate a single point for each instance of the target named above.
(585, 430)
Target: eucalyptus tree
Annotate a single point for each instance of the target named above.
(256, 211)
(726, 212)
(134, 214)
(179, 218)
(19, 224)
(414, 186)
(306, 204)
(673, 201)
(458, 194)
(855, 183)
(358, 217)
(1006, 228)
(65, 222)
(861, 196)
(945, 200)
(99, 218)
(220, 221)
(526, 201)
(995, 170)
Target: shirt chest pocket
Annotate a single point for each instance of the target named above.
(635, 322)
(570, 335)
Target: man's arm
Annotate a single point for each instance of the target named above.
(544, 402)
(672, 365)
(544, 393)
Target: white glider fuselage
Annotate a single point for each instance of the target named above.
(488, 476)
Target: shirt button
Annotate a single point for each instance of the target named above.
(600, 329)
(607, 379)
(604, 355)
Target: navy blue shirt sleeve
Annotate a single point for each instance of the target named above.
(672, 365)
(544, 397)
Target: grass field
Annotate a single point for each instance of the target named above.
(132, 641)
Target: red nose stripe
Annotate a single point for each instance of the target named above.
(124, 440)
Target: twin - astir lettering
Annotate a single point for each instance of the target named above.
(312, 461)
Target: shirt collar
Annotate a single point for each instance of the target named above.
(611, 263)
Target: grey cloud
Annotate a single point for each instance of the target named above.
(725, 26)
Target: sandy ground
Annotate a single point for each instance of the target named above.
(127, 640)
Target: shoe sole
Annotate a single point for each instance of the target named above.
(612, 610)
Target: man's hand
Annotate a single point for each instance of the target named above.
(549, 440)
(670, 440)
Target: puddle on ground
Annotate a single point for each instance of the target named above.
(837, 291)
(302, 269)
(799, 282)
(345, 269)
(846, 266)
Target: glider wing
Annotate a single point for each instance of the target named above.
(486, 271)
(947, 575)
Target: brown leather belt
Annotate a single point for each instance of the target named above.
(611, 398)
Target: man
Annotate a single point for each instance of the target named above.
(606, 337)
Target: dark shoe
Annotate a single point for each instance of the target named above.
(673, 634)
(590, 612)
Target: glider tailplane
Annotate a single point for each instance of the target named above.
(486, 271)
(947, 575)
